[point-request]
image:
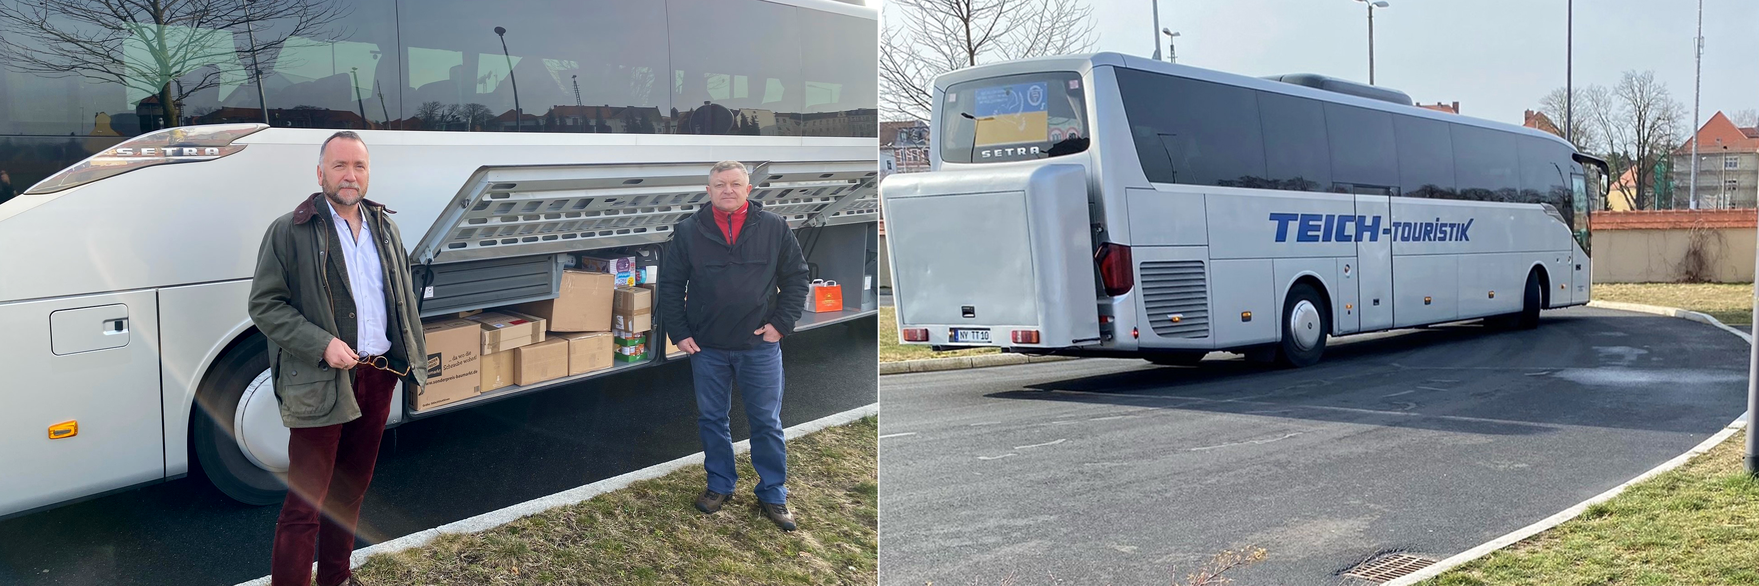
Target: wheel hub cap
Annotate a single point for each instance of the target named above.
(1304, 325)
(257, 426)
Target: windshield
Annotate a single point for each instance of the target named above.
(1013, 118)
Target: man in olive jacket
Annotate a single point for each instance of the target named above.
(332, 294)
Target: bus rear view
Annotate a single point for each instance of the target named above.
(1109, 205)
(998, 255)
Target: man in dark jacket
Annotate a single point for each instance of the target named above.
(332, 295)
(746, 282)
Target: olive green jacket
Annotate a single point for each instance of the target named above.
(291, 303)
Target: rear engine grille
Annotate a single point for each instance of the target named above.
(1176, 288)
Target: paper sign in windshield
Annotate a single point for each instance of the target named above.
(1012, 114)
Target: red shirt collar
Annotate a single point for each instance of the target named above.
(727, 217)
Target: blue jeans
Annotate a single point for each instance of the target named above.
(759, 374)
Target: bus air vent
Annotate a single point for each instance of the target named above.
(1178, 288)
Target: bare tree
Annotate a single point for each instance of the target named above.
(1747, 118)
(168, 48)
(1579, 125)
(1644, 123)
(925, 38)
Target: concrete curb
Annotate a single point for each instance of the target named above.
(1558, 519)
(963, 362)
(493, 519)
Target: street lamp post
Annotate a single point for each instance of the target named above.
(1172, 52)
(1372, 4)
(255, 68)
(1156, 5)
(518, 114)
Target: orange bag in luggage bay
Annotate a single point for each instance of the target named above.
(826, 296)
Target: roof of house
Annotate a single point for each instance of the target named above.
(1719, 132)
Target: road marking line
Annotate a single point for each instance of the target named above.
(1042, 445)
(1251, 442)
(986, 423)
(1431, 389)
(996, 457)
(897, 434)
(1399, 393)
(1111, 418)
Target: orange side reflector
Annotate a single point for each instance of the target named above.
(64, 430)
(1493, 295)
(1349, 306)
(1426, 301)
(1245, 316)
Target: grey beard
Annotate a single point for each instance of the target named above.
(336, 199)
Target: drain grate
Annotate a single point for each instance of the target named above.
(1389, 567)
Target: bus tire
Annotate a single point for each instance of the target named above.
(1178, 358)
(211, 435)
(1531, 302)
(1306, 324)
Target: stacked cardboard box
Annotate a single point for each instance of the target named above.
(632, 310)
(452, 362)
(506, 330)
(582, 305)
(543, 361)
(588, 351)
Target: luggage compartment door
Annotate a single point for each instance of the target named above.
(1002, 251)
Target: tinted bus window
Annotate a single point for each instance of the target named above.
(611, 77)
(1545, 171)
(1363, 151)
(1194, 132)
(1426, 157)
(1295, 153)
(150, 77)
(340, 75)
(736, 68)
(1486, 164)
(839, 55)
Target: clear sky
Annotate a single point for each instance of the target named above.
(1496, 57)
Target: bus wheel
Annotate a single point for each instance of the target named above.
(1531, 303)
(1306, 326)
(1178, 358)
(236, 432)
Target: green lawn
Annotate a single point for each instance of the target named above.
(1731, 304)
(890, 350)
(649, 533)
(1697, 524)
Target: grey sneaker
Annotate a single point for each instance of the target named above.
(778, 514)
(710, 502)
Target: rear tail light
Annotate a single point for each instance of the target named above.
(1025, 336)
(916, 334)
(183, 144)
(1115, 268)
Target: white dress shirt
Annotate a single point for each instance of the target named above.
(366, 276)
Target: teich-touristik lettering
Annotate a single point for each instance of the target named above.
(1346, 228)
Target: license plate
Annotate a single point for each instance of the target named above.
(972, 336)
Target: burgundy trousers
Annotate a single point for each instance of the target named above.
(331, 465)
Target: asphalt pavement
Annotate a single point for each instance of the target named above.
(1427, 441)
(430, 472)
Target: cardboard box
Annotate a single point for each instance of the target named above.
(497, 370)
(632, 323)
(672, 349)
(634, 300)
(583, 305)
(503, 331)
(453, 362)
(536, 363)
(588, 351)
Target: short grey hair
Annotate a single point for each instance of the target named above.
(342, 134)
(728, 166)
